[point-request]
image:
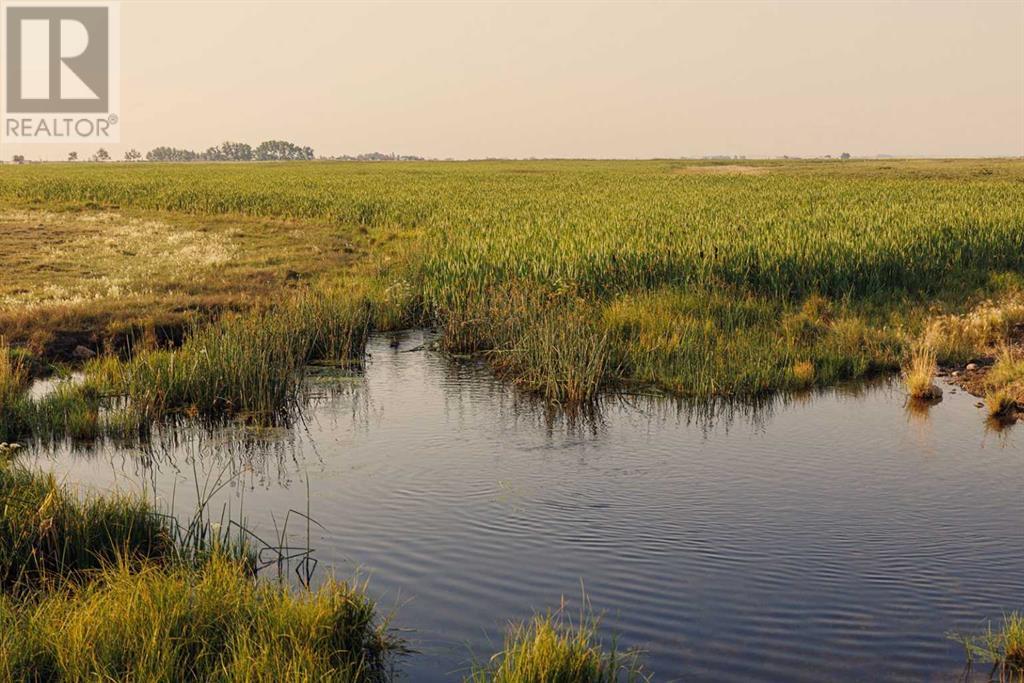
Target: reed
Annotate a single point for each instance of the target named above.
(107, 588)
(211, 623)
(551, 649)
(1004, 384)
(48, 535)
(1002, 647)
(921, 367)
(248, 364)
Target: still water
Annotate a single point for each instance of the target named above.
(828, 537)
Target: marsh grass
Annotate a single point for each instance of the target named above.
(108, 588)
(1004, 384)
(921, 367)
(725, 343)
(981, 331)
(13, 385)
(48, 535)
(211, 623)
(551, 344)
(1002, 647)
(247, 365)
(550, 648)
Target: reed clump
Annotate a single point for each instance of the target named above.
(551, 649)
(248, 364)
(108, 588)
(1004, 384)
(209, 623)
(1002, 647)
(920, 369)
(719, 342)
(47, 534)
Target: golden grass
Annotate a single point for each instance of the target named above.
(920, 369)
(981, 331)
(1004, 383)
(102, 278)
(1002, 647)
(108, 588)
(803, 373)
(551, 649)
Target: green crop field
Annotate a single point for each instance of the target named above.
(572, 277)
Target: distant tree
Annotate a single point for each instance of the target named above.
(18, 158)
(132, 155)
(212, 154)
(844, 156)
(101, 155)
(72, 156)
(170, 154)
(236, 151)
(281, 150)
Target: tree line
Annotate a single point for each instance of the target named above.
(269, 150)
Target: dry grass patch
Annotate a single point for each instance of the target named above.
(98, 278)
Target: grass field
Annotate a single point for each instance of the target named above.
(208, 288)
(573, 277)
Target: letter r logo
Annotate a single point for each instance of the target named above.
(57, 59)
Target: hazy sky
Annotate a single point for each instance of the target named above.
(574, 79)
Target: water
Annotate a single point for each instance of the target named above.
(835, 537)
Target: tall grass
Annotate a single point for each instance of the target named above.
(549, 343)
(981, 331)
(1004, 383)
(13, 384)
(47, 534)
(1002, 647)
(704, 343)
(551, 649)
(919, 373)
(108, 588)
(212, 623)
(248, 364)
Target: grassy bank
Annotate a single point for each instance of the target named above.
(247, 365)
(575, 277)
(109, 589)
(208, 623)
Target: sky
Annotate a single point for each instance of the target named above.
(573, 79)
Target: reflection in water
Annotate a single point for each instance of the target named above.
(823, 536)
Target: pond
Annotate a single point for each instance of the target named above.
(828, 536)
